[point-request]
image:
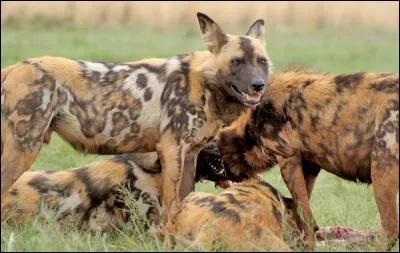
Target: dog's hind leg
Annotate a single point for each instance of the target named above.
(28, 103)
(15, 160)
(22, 141)
(385, 174)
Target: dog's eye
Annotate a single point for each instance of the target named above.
(262, 61)
(236, 62)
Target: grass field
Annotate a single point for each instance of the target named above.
(334, 202)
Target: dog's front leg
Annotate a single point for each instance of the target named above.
(292, 173)
(178, 177)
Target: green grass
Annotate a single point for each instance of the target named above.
(334, 202)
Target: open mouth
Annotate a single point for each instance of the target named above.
(249, 100)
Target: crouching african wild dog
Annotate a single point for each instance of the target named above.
(249, 216)
(93, 195)
(173, 106)
(346, 124)
(89, 196)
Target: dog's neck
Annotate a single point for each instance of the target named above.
(227, 108)
(288, 87)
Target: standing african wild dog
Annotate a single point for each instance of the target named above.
(173, 106)
(346, 124)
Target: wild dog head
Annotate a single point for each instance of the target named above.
(242, 155)
(211, 167)
(242, 61)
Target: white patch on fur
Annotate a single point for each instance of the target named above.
(3, 95)
(191, 117)
(148, 184)
(390, 138)
(145, 181)
(91, 67)
(69, 203)
(171, 65)
(120, 68)
(95, 66)
(46, 99)
(130, 82)
(151, 110)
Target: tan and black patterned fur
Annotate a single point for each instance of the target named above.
(173, 106)
(95, 194)
(90, 195)
(249, 216)
(346, 124)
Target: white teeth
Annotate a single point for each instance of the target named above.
(254, 98)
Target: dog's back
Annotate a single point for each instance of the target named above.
(246, 217)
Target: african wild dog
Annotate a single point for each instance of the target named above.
(173, 106)
(249, 216)
(93, 194)
(90, 195)
(346, 124)
(94, 197)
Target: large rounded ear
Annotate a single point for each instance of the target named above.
(213, 36)
(256, 30)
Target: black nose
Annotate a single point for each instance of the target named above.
(258, 85)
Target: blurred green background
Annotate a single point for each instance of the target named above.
(330, 37)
